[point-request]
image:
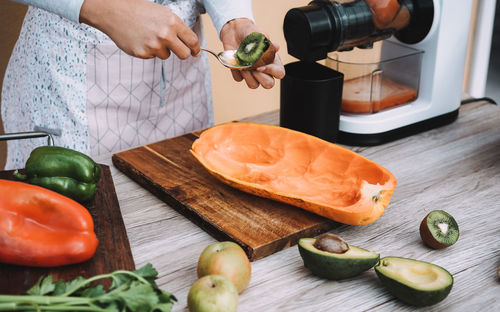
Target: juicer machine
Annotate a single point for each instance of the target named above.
(415, 84)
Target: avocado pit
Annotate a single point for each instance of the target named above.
(331, 243)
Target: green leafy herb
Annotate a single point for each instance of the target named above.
(130, 291)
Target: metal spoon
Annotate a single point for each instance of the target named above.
(227, 59)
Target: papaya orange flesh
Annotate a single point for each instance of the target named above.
(298, 169)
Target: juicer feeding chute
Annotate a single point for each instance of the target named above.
(432, 37)
(324, 26)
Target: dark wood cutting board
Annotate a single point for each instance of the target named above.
(113, 252)
(261, 226)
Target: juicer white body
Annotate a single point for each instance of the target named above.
(441, 77)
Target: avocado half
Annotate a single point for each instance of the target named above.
(414, 282)
(336, 266)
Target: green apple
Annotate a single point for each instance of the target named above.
(227, 259)
(213, 293)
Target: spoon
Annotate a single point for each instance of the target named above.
(227, 59)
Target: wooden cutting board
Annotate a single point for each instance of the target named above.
(261, 226)
(113, 252)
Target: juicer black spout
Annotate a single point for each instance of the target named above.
(324, 26)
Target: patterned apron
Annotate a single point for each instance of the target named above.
(71, 80)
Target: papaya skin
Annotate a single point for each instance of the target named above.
(361, 202)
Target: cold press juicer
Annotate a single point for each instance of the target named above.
(415, 84)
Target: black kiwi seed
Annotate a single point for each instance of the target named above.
(439, 229)
(252, 48)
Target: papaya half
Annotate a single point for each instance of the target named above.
(298, 169)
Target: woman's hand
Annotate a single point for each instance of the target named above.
(141, 28)
(232, 34)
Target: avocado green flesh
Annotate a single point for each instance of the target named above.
(415, 282)
(336, 266)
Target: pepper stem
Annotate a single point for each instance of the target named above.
(19, 175)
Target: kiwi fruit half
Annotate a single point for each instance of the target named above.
(255, 50)
(439, 229)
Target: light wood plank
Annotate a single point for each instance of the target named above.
(455, 168)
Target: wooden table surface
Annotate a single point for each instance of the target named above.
(455, 168)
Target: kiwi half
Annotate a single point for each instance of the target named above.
(255, 50)
(439, 229)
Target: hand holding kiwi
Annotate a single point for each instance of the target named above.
(255, 50)
(232, 35)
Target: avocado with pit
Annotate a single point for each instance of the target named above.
(414, 282)
(330, 257)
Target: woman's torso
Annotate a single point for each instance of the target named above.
(71, 79)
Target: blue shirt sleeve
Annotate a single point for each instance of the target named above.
(69, 9)
(222, 11)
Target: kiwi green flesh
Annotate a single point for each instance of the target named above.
(443, 227)
(251, 48)
(415, 282)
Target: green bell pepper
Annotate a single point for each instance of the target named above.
(63, 170)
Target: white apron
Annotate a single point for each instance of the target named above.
(73, 81)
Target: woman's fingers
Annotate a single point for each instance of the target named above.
(236, 75)
(141, 28)
(231, 35)
(179, 48)
(189, 38)
(180, 39)
(263, 75)
(253, 79)
(252, 83)
(162, 53)
(276, 71)
(265, 80)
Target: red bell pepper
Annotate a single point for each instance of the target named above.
(42, 228)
